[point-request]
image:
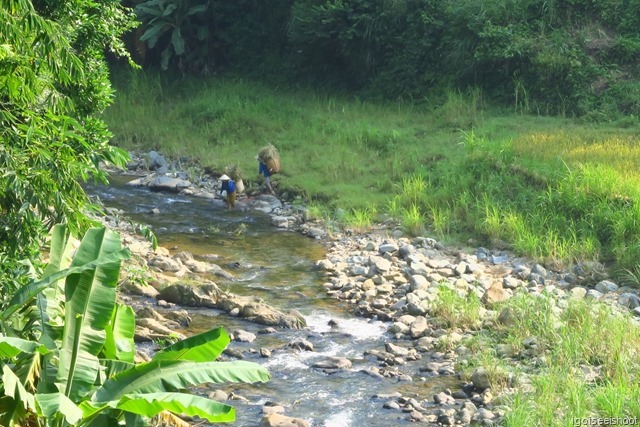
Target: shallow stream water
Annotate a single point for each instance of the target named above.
(278, 266)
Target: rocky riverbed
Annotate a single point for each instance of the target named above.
(382, 275)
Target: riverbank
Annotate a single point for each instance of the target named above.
(508, 328)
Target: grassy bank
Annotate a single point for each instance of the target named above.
(557, 190)
(553, 360)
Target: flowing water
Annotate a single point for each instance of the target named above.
(278, 266)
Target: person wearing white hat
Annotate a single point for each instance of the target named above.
(229, 186)
(264, 170)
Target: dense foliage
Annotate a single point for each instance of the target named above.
(53, 82)
(78, 366)
(575, 57)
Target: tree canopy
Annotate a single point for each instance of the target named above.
(54, 82)
(575, 57)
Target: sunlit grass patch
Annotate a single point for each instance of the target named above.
(580, 361)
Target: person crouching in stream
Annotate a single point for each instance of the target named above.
(230, 187)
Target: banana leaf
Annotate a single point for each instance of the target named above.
(90, 301)
(151, 404)
(204, 347)
(173, 375)
(13, 388)
(52, 404)
(26, 293)
(10, 347)
(119, 343)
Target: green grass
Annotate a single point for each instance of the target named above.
(552, 350)
(557, 190)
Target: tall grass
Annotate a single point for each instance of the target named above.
(579, 362)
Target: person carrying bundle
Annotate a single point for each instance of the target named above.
(269, 165)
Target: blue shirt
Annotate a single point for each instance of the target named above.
(228, 186)
(264, 170)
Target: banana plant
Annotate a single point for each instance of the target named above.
(79, 369)
(173, 24)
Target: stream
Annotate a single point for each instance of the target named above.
(278, 266)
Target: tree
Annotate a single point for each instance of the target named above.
(54, 83)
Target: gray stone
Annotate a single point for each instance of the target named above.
(606, 286)
(629, 300)
(480, 379)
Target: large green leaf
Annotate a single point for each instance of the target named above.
(90, 301)
(14, 389)
(59, 251)
(50, 301)
(26, 293)
(52, 404)
(151, 404)
(119, 342)
(172, 375)
(177, 41)
(10, 347)
(204, 347)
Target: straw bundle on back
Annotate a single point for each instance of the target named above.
(270, 157)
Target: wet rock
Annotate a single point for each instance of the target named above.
(301, 344)
(166, 183)
(279, 420)
(180, 316)
(391, 405)
(240, 335)
(265, 352)
(333, 363)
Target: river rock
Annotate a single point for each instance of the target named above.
(301, 344)
(135, 287)
(191, 296)
(243, 336)
(333, 363)
(167, 183)
(261, 313)
(496, 294)
(279, 420)
(180, 316)
(155, 160)
(166, 263)
(480, 378)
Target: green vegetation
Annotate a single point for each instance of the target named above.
(54, 80)
(574, 57)
(77, 366)
(579, 361)
(557, 190)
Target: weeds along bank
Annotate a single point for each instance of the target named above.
(553, 189)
